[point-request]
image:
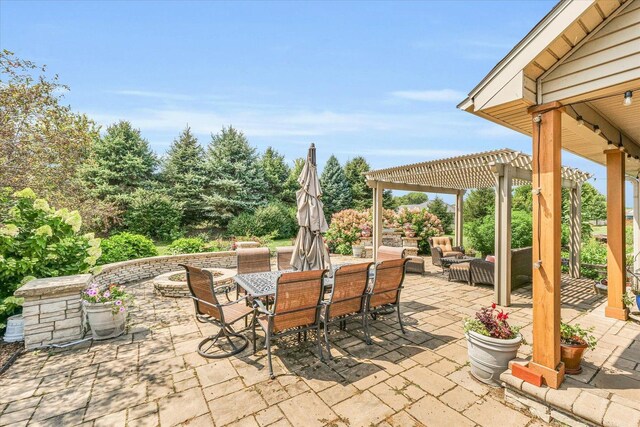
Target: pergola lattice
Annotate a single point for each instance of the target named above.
(501, 169)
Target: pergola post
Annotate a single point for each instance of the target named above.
(547, 213)
(616, 269)
(459, 218)
(502, 273)
(378, 190)
(575, 228)
(636, 224)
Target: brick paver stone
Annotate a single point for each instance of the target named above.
(180, 407)
(307, 410)
(362, 409)
(430, 411)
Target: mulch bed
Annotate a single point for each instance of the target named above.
(9, 352)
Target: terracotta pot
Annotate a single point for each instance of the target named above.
(571, 356)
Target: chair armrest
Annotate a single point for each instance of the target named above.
(235, 301)
(261, 308)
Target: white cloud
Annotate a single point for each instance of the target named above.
(153, 94)
(440, 95)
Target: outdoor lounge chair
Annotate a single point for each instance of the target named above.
(415, 264)
(385, 293)
(296, 308)
(444, 243)
(348, 297)
(481, 272)
(284, 255)
(209, 310)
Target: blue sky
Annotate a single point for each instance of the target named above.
(379, 79)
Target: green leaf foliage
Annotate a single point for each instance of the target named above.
(126, 246)
(291, 185)
(185, 177)
(276, 172)
(153, 214)
(121, 162)
(481, 232)
(336, 194)
(440, 209)
(361, 194)
(275, 220)
(237, 182)
(36, 241)
(479, 204)
(187, 245)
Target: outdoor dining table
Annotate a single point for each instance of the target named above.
(263, 284)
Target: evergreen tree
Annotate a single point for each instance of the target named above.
(479, 203)
(335, 188)
(291, 185)
(121, 162)
(388, 201)
(185, 177)
(440, 209)
(413, 198)
(276, 172)
(236, 180)
(361, 194)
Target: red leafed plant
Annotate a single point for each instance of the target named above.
(491, 322)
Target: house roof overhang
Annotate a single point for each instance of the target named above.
(551, 64)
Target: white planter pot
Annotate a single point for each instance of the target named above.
(103, 322)
(357, 251)
(15, 329)
(489, 356)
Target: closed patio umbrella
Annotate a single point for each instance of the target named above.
(310, 252)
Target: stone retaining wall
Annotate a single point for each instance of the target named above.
(52, 308)
(146, 268)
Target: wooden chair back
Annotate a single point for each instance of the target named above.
(253, 260)
(389, 252)
(389, 279)
(200, 283)
(349, 288)
(284, 255)
(297, 299)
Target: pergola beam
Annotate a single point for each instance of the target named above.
(575, 230)
(459, 218)
(502, 273)
(411, 187)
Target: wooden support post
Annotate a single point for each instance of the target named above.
(502, 273)
(575, 230)
(636, 224)
(459, 218)
(547, 212)
(616, 247)
(378, 191)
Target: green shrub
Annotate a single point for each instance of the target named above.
(219, 245)
(153, 214)
(593, 252)
(126, 246)
(423, 223)
(274, 219)
(187, 245)
(36, 241)
(481, 232)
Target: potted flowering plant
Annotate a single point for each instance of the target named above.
(409, 230)
(574, 340)
(106, 310)
(491, 343)
(365, 230)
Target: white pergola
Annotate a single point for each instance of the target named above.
(500, 169)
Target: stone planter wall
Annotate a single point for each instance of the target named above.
(52, 311)
(52, 308)
(146, 268)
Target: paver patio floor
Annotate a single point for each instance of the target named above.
(153, 375)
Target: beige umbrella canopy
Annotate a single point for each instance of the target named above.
(310, 252)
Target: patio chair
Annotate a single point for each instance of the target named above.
(348, 297)
(444, 243)
(296, 308)
(209, 310)
(414, 265)
(252, 260)
(284, 255)
(385, 293)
